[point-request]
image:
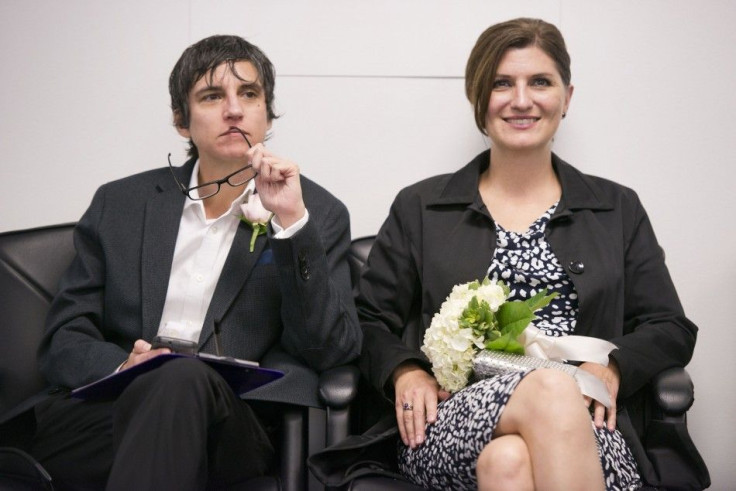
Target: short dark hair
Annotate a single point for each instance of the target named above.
(201, 59)
(491, 46)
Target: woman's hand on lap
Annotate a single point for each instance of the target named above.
(420, 391)
(612, 378)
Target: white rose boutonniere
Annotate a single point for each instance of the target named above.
(476, 316)
(256, 216)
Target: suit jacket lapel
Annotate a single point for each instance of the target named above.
(236, 271)
(160, 229)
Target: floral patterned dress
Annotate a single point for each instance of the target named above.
(466, 421)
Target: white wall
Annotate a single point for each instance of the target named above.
(372, 99)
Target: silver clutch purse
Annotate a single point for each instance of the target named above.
(489, 363)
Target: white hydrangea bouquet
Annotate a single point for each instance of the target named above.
(476, 316)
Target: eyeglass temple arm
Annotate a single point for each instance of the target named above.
(242, 133)
(182, 188)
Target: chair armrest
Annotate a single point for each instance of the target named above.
(338, 386)
(673, 391)
(293, 471)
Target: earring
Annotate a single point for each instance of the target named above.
(563, 115)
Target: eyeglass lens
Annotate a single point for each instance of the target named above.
(212, 188)
(242, 176)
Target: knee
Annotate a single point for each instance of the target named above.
(180, 369)
(180, 377)
(551, 401)
(505, 464)
(549, 386)
(183, 390)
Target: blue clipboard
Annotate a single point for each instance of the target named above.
(241, 375)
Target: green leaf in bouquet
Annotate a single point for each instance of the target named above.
(507, 343)
(492, 334)
(515, 346)
(513, 317)
(540, 300)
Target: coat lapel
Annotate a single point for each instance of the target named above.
(236, 271)
(160, 229)
(460, 227)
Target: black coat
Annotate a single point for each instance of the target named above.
(439, 234)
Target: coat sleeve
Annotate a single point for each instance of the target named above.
(317, 310)
(657, 335)
(390, 296)
(73, 350)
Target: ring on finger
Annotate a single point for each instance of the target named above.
(407, 406)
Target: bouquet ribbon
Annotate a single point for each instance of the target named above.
(556, 350)
(577, 348)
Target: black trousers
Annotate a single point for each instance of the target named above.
(177, 427)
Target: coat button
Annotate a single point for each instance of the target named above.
(304, 266)
(576, 267)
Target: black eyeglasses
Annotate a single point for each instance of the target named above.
(209, 189)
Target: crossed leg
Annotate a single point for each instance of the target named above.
(544, 425)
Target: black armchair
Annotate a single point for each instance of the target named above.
(31, 264)
(670, 396)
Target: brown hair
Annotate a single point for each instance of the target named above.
(480, 71)
(203, 58)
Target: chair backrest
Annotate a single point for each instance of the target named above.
(31, 265)
(357, 256)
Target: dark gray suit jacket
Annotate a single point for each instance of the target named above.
(288, 304)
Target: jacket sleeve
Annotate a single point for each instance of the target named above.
(657, 335)
(73, 350)
(318, 311)
(390, 296)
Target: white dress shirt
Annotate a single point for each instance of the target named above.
(202, 246)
